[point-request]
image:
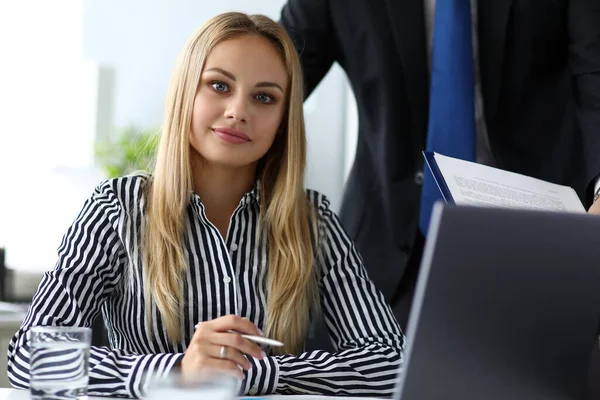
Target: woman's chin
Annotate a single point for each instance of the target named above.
(229, 162)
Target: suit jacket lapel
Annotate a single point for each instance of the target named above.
(493, 17)
(407, 19)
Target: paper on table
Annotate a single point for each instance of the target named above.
(470, 183)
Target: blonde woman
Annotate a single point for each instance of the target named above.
(222, 235)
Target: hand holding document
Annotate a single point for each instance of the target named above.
(468, 183)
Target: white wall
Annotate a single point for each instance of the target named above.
(39, 58)
(47, 116)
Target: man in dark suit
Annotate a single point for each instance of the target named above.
(537, 67)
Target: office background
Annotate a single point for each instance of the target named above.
(75, 72)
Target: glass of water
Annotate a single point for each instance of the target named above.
(211, 386)
(59, 362)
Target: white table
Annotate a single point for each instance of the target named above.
(14, 394)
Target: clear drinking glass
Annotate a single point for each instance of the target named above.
(59, 362)
(211, 386)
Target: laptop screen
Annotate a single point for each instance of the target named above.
(506, 306)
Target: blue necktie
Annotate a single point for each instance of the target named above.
(451, 129)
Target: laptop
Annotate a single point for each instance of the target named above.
(507, 306)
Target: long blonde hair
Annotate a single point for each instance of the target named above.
(287, 219)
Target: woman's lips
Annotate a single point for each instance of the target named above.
(231, 135)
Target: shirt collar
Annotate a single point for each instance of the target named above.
(255, 192)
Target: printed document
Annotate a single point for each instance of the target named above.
(470, 183)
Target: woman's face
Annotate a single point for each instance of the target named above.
(240, 102)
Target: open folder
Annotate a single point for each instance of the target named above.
(468, 183)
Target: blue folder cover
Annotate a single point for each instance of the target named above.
(438, 177)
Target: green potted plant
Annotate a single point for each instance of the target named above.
(131, 150)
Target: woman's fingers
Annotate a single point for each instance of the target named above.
(205, 357)
(218, 332)
(214, 347)
(217, 365)
(235, 323)
(223, 352)
(236, 341)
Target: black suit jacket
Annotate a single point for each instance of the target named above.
(540, 76)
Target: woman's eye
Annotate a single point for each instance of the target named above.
(265, 98)
(220, 86)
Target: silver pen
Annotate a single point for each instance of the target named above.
(256, 338)
(260, 339)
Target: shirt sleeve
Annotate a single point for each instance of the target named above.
(368, 340)
(91, 259)
(308, 23)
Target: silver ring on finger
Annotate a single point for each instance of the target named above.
(223, 352)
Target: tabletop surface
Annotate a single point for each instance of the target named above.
(14, 394)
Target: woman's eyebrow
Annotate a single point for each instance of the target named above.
(222, 71)
(270, 84)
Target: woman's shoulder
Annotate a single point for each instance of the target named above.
(318, 200)
(121, 191)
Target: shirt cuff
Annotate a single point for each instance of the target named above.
(150, 368)
(262, 378)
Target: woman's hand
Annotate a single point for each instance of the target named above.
(214, 349)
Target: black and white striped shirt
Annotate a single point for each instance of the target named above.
(99, 270)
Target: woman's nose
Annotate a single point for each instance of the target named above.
(237, 109)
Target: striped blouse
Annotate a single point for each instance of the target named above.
(99, 270)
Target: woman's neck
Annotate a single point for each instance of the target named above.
(221, 190)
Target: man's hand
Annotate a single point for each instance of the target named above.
(595, 208)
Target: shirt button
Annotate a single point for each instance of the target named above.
(419, 178)
(227, 279)
(234, 247)
(252, 391)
